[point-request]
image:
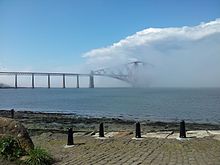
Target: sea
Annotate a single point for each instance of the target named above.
(200, 105)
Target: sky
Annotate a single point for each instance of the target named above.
(179, 38)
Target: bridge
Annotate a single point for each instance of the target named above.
(126, 74)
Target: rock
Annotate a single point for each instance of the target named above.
(13, 128)
(23, 158)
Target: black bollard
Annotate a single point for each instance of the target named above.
(70, 137)
(182, 129)
(101, 130)
(138, 130)
(12, 113)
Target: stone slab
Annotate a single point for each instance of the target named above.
(197, 134)
(107, 135)
(191, 134)
(162, 134)
(214, 132)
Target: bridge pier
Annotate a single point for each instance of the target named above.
(32, 75)
(16, 81)
(64, 83)
(91, 80)
(77, 81)
(48, 80)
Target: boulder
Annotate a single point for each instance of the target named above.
(13, 128)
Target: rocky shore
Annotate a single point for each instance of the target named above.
(39, 122)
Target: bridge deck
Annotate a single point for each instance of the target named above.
(43, 73)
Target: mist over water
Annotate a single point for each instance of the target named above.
(181, 56)
(158, 104)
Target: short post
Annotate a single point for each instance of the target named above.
(70, 137)
(12, 113)
(138, 130)
(101, 130)
(182, 129)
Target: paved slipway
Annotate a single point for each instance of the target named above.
(160, 148)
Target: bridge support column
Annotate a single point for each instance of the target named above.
(77, 81)
(16, 81)
(91, 80)
(48, 80)
(64, 83)
(32, 75)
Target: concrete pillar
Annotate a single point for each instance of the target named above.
(64, 83)
(77, 81)
(16, 81)
(32, 80)
(91, 80)
(48, 80)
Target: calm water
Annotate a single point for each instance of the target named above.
(164, 104)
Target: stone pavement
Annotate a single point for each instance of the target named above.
(122, 149)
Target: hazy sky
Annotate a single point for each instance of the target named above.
(67, 35)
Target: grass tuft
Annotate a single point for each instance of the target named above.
(38, 156)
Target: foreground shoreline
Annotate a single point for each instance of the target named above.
(39, 122)
(49, 131)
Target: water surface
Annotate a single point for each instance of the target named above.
(160, 104)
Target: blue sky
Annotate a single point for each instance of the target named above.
(44, 35)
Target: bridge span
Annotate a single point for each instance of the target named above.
(127, 73)
(49, 74)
